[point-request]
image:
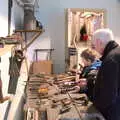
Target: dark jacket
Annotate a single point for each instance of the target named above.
(87, 70)
(107, 86)
(90, 73)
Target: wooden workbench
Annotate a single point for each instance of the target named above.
(42, 109)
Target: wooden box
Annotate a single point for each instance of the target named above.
(42, 66)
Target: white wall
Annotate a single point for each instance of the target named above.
(42, 42)
(52, 14)
(4, 18)
(4, 67)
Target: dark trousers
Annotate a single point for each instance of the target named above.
(112, 112)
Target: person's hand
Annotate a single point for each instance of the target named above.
(72, 70)
(77, 88)
(82, 82)
(78, 72)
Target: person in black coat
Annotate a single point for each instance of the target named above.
(107, 86)
(88, 72)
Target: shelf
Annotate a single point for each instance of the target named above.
(37, 33)
(29, 30)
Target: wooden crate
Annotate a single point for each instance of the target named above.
(43, 66)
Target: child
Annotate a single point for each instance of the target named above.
(88, 74)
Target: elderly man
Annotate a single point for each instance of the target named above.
(107, 86)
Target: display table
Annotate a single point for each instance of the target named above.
(51, 106)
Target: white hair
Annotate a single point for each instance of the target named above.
(104, 35)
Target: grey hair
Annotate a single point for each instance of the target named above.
(104, 35)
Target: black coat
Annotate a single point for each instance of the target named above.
(107, 86)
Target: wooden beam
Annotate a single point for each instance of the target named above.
(29, 30)
(32, 40)
(38, 32)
